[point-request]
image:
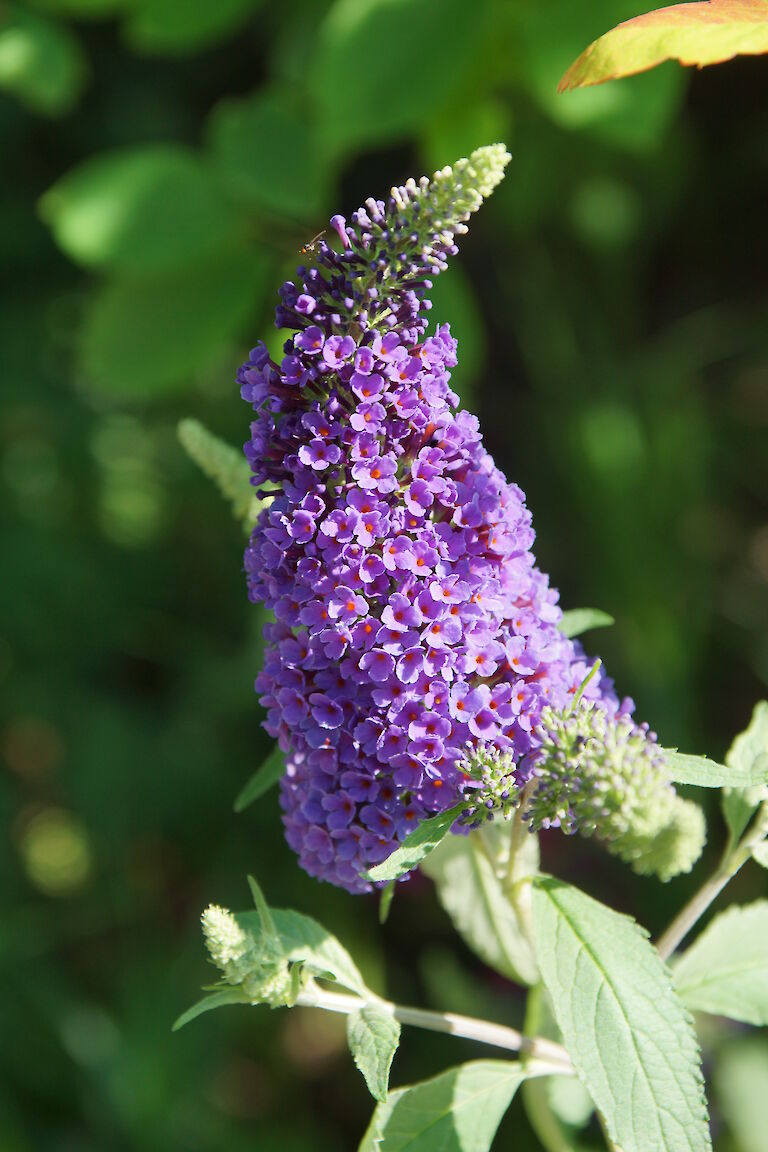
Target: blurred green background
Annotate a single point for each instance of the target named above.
(163, 161)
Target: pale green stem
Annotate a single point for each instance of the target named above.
(733, 859)
(483, 1031)
(542, 1119)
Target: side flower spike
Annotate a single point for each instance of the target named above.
(606, 776)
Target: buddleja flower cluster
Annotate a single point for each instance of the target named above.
(411, 620)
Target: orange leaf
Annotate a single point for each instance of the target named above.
(705, 32)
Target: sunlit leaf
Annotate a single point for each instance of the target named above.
(152, 208)
(41, 62)
(458, 1111)
(624, 1026)
(725, 971)
(416, 845)
(262, 780)
(576, 621)
(373, 1037)
(146, 337)
(706, 32)
(633, 115)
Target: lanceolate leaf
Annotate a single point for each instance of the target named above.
(706, 32)
(705, 773)
(215, 1000)
(416, 845)
(458, 1111)
(726, 970)
(469, 887)
(580, 620)
(624, 1026)
(262, 780)
(373, 1037)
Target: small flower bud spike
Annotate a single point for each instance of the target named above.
(605, 776)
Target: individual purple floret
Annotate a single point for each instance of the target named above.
(410, 618)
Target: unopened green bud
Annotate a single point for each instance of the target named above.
(603, 775)
(493, 791)
(224, 938)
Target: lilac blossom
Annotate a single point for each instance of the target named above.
(411, 622)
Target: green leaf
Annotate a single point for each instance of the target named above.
(579, 620)
(625, 1028)
(373, 1037)
(740, 1077)
(176, 27)
(262, 780)
(458, 1111)
(725, 971)
(144, 337)
(267, 155)
(468, 872)
(416, 845)
(147, 209)
(41, 62)
(705, 773)
(303, 939)
(695, 34)
(633, 115)
(748, 752)
(351, 80)
(215, 1000)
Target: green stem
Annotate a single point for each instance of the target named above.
(733, 860)
(547, 1052)
(542, 1119)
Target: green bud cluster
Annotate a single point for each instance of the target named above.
(256, 964)
(603, 775)
(493, 791)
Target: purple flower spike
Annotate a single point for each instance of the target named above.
(411, 620)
